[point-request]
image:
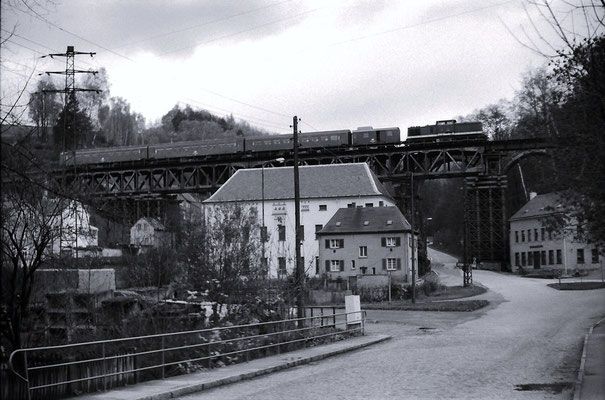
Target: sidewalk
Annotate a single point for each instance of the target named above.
(186, 384)
(591, 377)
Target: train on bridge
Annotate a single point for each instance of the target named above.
(361, 137)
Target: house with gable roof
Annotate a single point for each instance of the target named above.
(149, 232)
(323, 190)
(367, 241)
(534, 246)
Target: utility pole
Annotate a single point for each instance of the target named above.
(300, 276)
(70, 96)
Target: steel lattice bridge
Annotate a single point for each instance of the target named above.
(148, 187)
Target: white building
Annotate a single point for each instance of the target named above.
(534, 246)
(150, 232)
(323, 190)
(74, 232)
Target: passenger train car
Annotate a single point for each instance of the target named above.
(366, 136)
(446, 131)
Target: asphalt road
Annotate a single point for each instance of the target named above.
(525, 345)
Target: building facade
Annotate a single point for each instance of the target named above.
(323, 190)
(149, 232)
(534, 246)
(367, 241)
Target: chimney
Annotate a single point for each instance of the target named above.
(532, 195)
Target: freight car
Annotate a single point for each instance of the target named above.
(369, 135)
(312, 140)
(446, 131)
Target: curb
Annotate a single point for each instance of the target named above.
(182, 391)
(580, 378)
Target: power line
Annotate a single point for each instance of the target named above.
(237, 33)
(41, 18)
(249, 118)
(202, 24)
(420, 23)
(277, 124)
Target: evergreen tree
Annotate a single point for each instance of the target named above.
(73, 127)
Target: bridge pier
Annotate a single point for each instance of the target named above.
(486, 232)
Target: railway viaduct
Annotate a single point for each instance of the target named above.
(149, 187)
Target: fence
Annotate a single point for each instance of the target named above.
(45, 373)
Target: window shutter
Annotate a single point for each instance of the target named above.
(397, 241)
(342, 265)
(327, 265)
(327, 243)
(342, 244)
(383, 242)
(384, 264)
(399, 264)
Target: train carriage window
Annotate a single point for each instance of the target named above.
(334, 137)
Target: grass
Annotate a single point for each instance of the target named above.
(442, 300)
(577, 285)
(444, 306)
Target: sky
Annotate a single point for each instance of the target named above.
(337, 64)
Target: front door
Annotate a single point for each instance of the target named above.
(536, 260)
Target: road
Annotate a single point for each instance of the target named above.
(525, 345)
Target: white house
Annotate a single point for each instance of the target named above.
(150, 232)
(534, 246)
(74, 232)
(323, 190)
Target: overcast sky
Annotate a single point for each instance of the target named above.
(336, 64)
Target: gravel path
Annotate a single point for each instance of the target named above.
(530, 335)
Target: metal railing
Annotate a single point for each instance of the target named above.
(112, 363)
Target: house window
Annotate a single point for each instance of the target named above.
(523, 236)
(281, 232)
(335, 243)
(523, 260)
(542, 232)
(263, 234)
(281, 265)
(317, 229)
(580, 256)
(517, 259)
(559, 257)
(393, 264)
(551, 257)
(595, 256)
(369, 204)
(323, 207)
(516, 236)
(352, 264)
(391, 242)
(543, 257)
(529, 235)
(335, 265)
(351, 205)
(381, 203)
(536, 234)
(530, 258)
(316, 265)
(363, 251)
(301, 232)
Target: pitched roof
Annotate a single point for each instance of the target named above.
(316, 181)
(539, 206)
(155, 224)
(367, 220)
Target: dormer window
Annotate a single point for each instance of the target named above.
(366, 223)
(338, 223)
(389, 222)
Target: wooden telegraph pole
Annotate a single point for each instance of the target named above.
(300, 275)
